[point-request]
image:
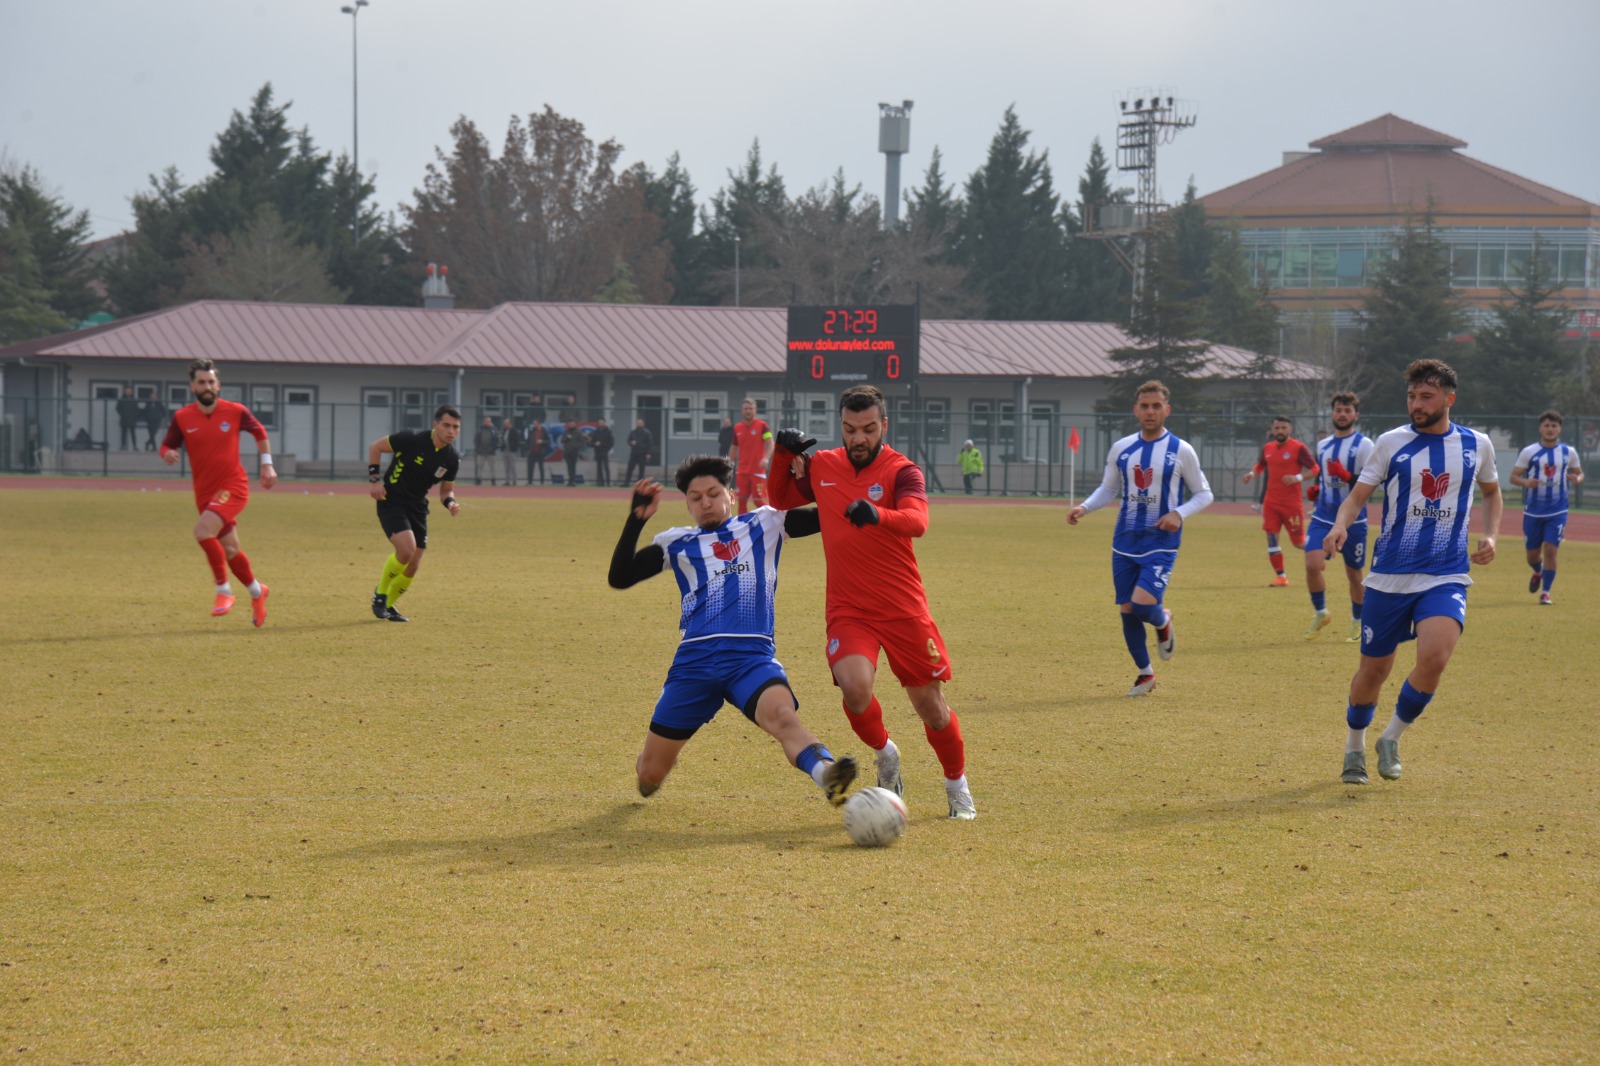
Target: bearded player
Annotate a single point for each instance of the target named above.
(1341, 457)
(751, 455)
(1543, 471)
(1286, 462)
(872, 502)
(208, 430)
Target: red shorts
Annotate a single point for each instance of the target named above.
(913, 646)
(748, 484)
(227, 505)
(1288, 517)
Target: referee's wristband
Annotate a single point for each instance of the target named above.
(448, 500)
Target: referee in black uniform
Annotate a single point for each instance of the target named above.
(421, 461)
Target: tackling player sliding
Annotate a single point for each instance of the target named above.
(208, 430)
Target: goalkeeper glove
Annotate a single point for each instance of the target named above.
(794, 441)
(862, 513)
(1337, 469)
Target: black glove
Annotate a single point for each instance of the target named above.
(640, 499)
(862, 513)
(794, 441)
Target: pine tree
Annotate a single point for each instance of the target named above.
(1099, 288)
(59, 240)
(1165, 325)
(934, 210)
(25, 310)
(1238, 311)
(1519, 356)
(1411, 313)
(671, 198)
(751, 204)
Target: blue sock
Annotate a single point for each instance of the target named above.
(808, 759)
(1355, 610)
(1359, 715)
(1319, 601)
(1151, 614)
(1133, 633)
(1411, 703)
(1548, 577)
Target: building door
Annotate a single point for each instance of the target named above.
(299, 434)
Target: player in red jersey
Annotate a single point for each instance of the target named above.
(752, 456)
(208, 430)
(1287, 463)
(871, 502)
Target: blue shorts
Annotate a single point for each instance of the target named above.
(1149, 572)
(1389, 619)
(1355, 545)
(1547, 530)
(707, 673)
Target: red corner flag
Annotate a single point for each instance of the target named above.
(1073, 441)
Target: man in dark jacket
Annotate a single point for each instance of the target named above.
(155, 421)
(725, 437)
(640, 446)
(483, 449)
(128, 413)
(538, 448)
(603, 440)
(510, 448)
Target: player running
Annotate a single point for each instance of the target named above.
(1341, 458)
(421, 461)
(1286, 463)
(1544, 470)
(1149, 471)
(208, 430)
(727, 571)
(752, 454)
(872, 502)
(1418, 585)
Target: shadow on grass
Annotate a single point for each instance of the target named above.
(215, 630)
(608, 838)
(1321, 794)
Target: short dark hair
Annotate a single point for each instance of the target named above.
(1551, 415)
(1431, 372)
(1346, 398)
(1153, 386)
(201, 364)
(716, 466)
(860, 397)
(446, 409)
(1285, 419)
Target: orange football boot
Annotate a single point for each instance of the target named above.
(1280, 582)
(223, 604)
(258, 607)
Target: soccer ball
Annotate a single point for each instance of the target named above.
(875, 817)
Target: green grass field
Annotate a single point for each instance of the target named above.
(337, 839)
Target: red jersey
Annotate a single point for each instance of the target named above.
(872, 571)
(212, 441)
(751, 439)
(1280, 461)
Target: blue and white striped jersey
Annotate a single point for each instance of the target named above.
(1427, 481)
(1150, 478)
(1352, 453)
(728, 576)
(1549, 467)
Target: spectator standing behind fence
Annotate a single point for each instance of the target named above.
(128, 414)
(155, 421)
(603, 440)
(538, 448)
(725, 437)
(483, 449)
(510, 448)
(971, 460)
(640, 446)
(572, 448)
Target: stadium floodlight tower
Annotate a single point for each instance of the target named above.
(894, 141)
(1148, 122)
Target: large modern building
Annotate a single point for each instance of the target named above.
(1315, 227)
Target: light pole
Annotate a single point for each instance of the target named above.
(354, 9)
(736, 270)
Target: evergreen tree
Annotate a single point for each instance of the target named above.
(1239, 312)
(671, 198)
(1519, 357)
(148, 272)
(1010, 241)
(1099, 288)
(1193, 241)
(934, 210)
(1165, 325)
(58, 239)
(750, 205)
(25, 310)
(1411, 313)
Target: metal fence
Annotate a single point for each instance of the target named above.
(1023, 456)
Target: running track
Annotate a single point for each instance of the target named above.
(1581, 526)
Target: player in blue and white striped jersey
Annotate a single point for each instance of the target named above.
(727, 572)
(1418, 585)
(1340, 459)
(1148, 473)
(1544, 471)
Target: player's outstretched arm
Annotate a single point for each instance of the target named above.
(787, 490)
(628, 566)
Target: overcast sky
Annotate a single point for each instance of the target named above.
(98, 94)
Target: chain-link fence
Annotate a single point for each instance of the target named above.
(1022, 456)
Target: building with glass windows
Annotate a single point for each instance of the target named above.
(1316, 227)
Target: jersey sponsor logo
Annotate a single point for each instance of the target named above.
(1143, 476)
(875, 493)
(1434, 487)
(725, 549)
(833, 646)
(1550, 470)
(731, 569)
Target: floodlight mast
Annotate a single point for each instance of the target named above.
(354, 10)
(894, 141)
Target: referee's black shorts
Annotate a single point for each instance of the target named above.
(397, 516)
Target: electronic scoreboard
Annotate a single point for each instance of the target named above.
(843, 346)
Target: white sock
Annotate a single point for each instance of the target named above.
(224, 589)
(1393, 730)
(956, 784)
(255, 590)
(816, 771)
(1356, 741)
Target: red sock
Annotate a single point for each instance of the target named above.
(869, 725)
(240, 565)
(1276, 559)
(948, 745)
(217, 556)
